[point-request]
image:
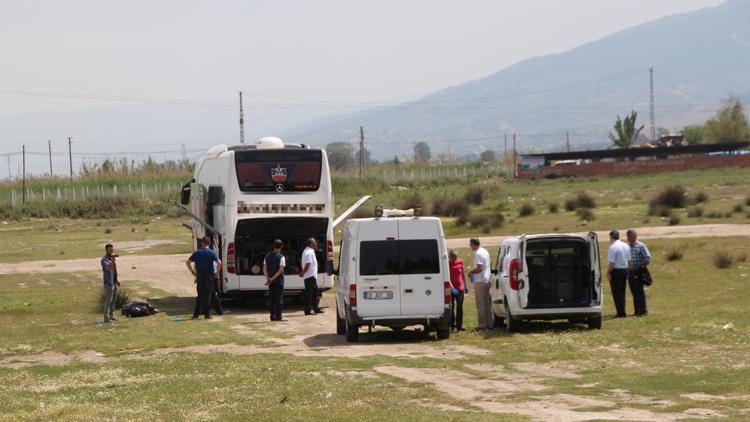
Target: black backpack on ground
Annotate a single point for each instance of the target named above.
(138, 309)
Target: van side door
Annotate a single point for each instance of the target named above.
(423, 265)
(499, 278)
(523, 274)
(596, 271)
(377, 278)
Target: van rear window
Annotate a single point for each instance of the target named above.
(278, 170)
(384, 257)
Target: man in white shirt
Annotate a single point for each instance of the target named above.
(309, 273)
(481, 276)
(617, 270)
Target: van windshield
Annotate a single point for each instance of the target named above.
(384, 257)
(278, 170)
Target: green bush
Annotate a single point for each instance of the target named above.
(671, 197)
(738, 208)
(553, 207)
(660, 210)
(700, 197)
(461, 220)
(674, 220)
(477, 220)
(474, 195)
(722, 259)
(674, 255)
(585, 214)
(695, 212)
(496, 219)
(526, 210)
(122, 296)
(570, 204)
(747, 201)
(584, 200)
(450, 207)
(714, 214)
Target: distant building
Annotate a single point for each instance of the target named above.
(666, 155)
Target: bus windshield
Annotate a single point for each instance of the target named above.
(278, 170)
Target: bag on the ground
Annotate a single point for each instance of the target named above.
(138, 309)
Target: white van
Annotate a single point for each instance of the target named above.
(393, 272)
(547, 277)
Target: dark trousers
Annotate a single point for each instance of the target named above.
(635, 281)
(275, 299)
(457, 313)
(312, 300)
(216, 300)
(204, 287)
(617, 285)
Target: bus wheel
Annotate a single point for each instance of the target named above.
(352, 332)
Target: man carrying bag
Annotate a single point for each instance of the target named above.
(638, 273)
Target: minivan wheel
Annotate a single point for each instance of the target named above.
(340, 323)
(595, 323)
(443, 331)
(352, 332)
(511, 324)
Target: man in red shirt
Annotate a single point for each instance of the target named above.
(458, 288)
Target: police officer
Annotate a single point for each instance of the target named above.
(273, 269)
(204, 259)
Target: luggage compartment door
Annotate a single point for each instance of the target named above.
(377, 279)
(423, 264)
(596, 271)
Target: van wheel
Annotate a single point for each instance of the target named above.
(352, 332)
(443, 331)
(595, 323)
(340, 323)
(511, 324)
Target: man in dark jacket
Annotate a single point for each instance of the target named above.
(273, 269)
(204, 272)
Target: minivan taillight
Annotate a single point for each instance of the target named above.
(329, 249)
(230, 259)
(513, 276)
(353, 294)
(447, 292)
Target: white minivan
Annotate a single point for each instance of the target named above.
(547, 277)
(393, 272)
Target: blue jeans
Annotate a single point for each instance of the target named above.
(204, 287)
(110, 293)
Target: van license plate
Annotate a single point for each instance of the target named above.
(378, 295)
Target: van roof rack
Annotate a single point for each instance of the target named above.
(395, 212)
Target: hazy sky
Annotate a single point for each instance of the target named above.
(334, 50)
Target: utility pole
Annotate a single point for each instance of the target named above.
(361, 151)
(70, 157)
(653, 106)
(23, 185)
(505, 153)
(183, 149)
(49, 145)
(515, 164)
(567, 141)
(9, 176)
(242, 121)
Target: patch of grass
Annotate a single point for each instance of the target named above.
(526, 209)
(714, 214)
(477, 220)
(700, 197)
(107, 230)
(747, 201)
(738, 208)
(722, 259)
(461, 220)
(553, 207)
(674, 220)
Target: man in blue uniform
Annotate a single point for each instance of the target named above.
(204, 259)
(273, 269)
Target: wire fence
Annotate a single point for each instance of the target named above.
(143, 191)
(457, 172)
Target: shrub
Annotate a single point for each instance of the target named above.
(670, 197)
(526, 210)
(714, 214)
(570, 204)
(496, 219)
(695, 212)
(747, 201)
(741, 257)
(674, 255)
(122, 296)
(412, 201)
(486, 229)
(553, 207)
(477, 220)
(474, 195)
(585, 214)
(700, 197)
(454, 207)
(674, 220)
(363, 212)
(461, 220)
(660, 210)
(738, 208)
(722, 259)
(107, 230)
(584, 200)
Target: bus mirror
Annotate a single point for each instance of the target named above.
(185, 194)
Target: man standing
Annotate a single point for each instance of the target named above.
(109, 271)
(204, 259)
(617, 270)
(309, 273)
(273, 269)
(640, 258)
(481, 275)
(458, 288)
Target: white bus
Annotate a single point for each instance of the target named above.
(245, 196)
